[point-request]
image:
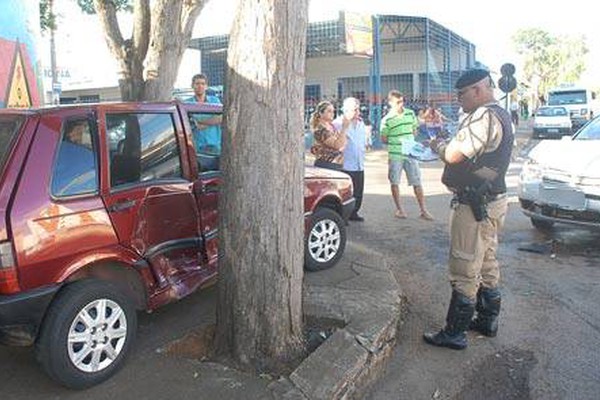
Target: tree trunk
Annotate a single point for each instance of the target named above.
(259, 313)
(158, 41)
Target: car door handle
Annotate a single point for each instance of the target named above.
(122, 206)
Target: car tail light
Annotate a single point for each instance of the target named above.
(9, 282)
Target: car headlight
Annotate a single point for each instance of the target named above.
(531, 171)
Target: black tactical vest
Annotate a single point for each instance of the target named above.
(489, 168)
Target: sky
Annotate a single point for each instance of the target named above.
(488, 25)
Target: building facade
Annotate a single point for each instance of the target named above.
(416, 55)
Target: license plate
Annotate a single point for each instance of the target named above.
(552, 130)
(569, 199)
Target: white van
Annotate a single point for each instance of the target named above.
(580, 102)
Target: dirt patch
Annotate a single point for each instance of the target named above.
(500, 376)
(198, 344)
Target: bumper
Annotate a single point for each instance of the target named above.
(348, 208)
(584, 218)
(551, 132)
(21, 315)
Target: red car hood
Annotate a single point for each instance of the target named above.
(311, 172)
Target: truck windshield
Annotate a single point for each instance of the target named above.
(9, 127)
(567, 97)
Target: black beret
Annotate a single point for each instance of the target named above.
(470, 77)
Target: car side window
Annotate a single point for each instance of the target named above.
(206, 134)
(75, 168)
(143, 147)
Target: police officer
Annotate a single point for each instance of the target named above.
(476, 161)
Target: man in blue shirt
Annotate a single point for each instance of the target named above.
(207, 132)
(354, 151)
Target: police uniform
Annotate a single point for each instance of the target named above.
(485, 137)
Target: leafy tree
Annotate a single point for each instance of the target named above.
(149, 59)
(259, 312)
(87, 6)
(47, 16)
(550, 59)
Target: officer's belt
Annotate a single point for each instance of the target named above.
(463, 198)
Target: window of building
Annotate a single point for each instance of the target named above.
(93, 98)
(143, 147)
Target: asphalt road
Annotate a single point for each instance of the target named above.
(548, 345)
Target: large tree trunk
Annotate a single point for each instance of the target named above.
(158, 41)
(259, 314)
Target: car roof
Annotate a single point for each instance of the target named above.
(116, 106)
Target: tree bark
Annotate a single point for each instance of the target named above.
(259, 313)
(173, 22)
(149, 60)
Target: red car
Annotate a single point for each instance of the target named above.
(108, 209)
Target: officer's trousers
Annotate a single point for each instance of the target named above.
(473, 246)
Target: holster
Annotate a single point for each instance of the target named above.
(477, 204)
(476, 199)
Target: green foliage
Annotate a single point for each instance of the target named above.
(87, 6)
(550, 60)
(47, 16)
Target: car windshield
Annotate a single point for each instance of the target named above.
(9, 126)
(567, 97)
(552, 112)
(590, 132)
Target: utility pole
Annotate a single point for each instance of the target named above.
(53, 68)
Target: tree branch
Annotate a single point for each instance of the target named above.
(141, 28)
(191, 10)
(107, 13)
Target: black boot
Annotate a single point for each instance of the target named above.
(460, 312)
(488, 308)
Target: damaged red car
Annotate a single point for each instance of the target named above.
(108, 209)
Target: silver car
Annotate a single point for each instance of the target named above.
(560, 180)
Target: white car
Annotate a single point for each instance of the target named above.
(560, 180)
(552, 122)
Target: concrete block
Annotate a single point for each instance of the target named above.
(330, 371)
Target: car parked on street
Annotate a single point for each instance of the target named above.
(108, 209)
(551, 122)
(560, 180)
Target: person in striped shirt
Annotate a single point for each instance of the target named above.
(398, 128)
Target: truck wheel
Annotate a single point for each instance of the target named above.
(325, 241)
(542, 224)
(87, 334)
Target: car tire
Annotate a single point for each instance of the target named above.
(325, 241)
(78, 355)
(542, 224)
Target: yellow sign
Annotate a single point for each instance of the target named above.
(18, 95)
(358, 34)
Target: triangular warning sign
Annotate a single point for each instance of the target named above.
(18, 94)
